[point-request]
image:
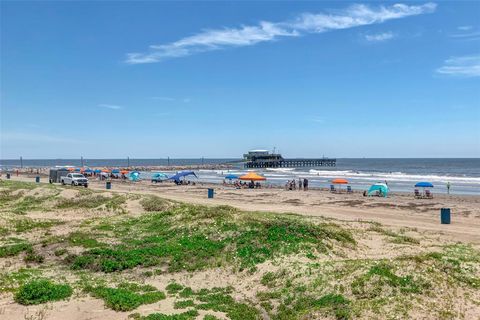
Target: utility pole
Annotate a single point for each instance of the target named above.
(81, 160)
(21, 162)
(168, 161)
(202, 161)
(128, 162)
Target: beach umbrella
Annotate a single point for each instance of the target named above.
(378, 187)
(71, 169)
(252, 176)
(124, 171)
(231, 177)
(115, 171)
(424, 185)
(340, 181)
(77, 170)
(105, 170)
(97, 171)
(88, 170)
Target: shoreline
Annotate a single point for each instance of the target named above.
(31, 173)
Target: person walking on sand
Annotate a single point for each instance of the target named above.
(299, 184)
(448, 187)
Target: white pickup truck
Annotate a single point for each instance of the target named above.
(75, 179)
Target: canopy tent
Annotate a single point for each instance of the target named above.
(124, 171)
(231, 176)
(115, 171)
(77, 170)
(71, 169)
(340, 181)
(182, 174)
(252, 176)
(88, 171)
(379, 188)
(424, 185)
(134, 176)
(97, 170)
(106, 170)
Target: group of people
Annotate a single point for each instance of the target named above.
(184, 182)
(292, 184)
(245, 185)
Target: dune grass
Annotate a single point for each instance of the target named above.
(188, 237)
(127, 296)
(41, 291)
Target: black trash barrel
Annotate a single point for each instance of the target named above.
(8, 175)
(210, 193)
(37, 179)
(108, 185)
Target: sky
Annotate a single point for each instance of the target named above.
(215, 79)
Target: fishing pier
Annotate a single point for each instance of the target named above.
(264, 159)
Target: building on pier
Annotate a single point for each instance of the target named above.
(265, 159)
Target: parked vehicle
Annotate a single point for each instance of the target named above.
(56, 174)
(75, 179)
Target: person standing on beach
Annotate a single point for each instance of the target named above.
(299, 184)
(305, 184)
(448, 187)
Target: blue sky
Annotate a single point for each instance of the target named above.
(214, 79)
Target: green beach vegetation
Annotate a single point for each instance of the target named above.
(211, 262)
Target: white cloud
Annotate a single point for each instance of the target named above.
(216, 39)
(464, 28)
(474, 35)
(379, 37)
(110, 106)
(465, 66)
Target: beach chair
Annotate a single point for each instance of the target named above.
(428, 194)
(417, 194)
(332, 188)
(349, 189)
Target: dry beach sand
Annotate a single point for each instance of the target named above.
(383, 229)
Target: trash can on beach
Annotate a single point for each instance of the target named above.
(37, 179)
(8, 175)
(445, 215)
(108, 185)
(210, 193)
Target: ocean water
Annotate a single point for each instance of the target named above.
(400, 174)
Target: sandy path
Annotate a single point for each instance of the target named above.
(400, 210)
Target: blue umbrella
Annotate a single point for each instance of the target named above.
(115, 171)
(97, 171)
(77, 169)
(231, 176)
(88, 170)
(424, 185)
